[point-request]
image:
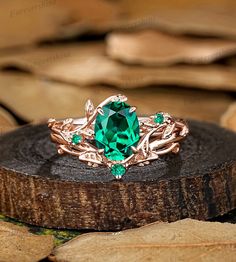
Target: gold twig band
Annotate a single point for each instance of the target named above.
(112, 135)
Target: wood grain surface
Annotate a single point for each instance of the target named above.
(39, 187)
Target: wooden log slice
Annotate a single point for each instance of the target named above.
(39, 187)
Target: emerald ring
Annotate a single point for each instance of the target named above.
(112, 135)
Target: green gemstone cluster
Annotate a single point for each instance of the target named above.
(116, 131)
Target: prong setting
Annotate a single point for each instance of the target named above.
(132, 109)
(100, 111)
(159, 134)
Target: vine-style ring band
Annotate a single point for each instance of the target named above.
(112, 135)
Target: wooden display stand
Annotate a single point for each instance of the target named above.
(40, 187)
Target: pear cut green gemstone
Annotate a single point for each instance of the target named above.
(76, 139)
(159, 118)
(117, 130)
(118, 170)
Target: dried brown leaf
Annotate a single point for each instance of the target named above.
(211, 18)
(228, 119)
(29, 21)
(39, 99)
(17, 244)
(186, 240)
(95, 15)
(207, 18)
(26, 21)
(152, 47)
(87, 64)
(7, 121)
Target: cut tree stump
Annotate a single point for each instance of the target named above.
(40, 187)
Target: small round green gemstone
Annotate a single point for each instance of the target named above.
(76, 139)
(118, 170)
(159, 118)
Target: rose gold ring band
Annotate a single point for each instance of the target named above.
(157, 137)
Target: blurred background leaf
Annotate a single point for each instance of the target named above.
(174, 56)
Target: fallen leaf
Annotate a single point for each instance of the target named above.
(87, 64)
(90, 15)
(52, 19)
(23, 22)
(204, 18)
(7, 121)
(102, 16)
(17, 244)
(152, 47)
(62, 19)
(185, 240)
(40, 99)
(228, 119)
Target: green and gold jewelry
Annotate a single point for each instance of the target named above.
(112, 135)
